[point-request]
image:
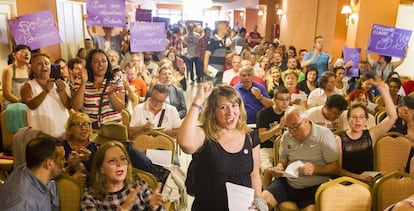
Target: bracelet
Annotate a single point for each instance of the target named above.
(197, 106)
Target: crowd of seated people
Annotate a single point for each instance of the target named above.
(106, 79)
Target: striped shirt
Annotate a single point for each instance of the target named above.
(92, 100)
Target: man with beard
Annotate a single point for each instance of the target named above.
(31, 186)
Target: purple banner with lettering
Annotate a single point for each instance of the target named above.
(147, 36)
(354, 55)
(107, 13)
(35, 30)
(163, 20)
(143, 15)
(388, 41)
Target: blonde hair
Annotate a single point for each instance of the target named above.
(208, 118)
(269, 80)
(99, 183)
(69, 122)
(289, 72)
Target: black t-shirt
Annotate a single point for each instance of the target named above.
(216, 166)
(267, 118)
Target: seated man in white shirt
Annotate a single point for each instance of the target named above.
(328, 115)
(228, 75)
(326, 88)
(155, 113)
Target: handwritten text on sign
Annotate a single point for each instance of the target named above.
(35, 30)
(147, 36)
(389, 41)
(107, 13)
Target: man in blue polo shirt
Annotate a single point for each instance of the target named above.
(317, 57)
(254, 95)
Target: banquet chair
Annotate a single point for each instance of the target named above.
(70, 193)
(391, 189)
(343, 194)
(287, 205)
(155, 140)
(126, 117)
(391, 153)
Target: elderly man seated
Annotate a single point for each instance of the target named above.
(155, 113)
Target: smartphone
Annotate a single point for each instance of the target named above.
(55, 71)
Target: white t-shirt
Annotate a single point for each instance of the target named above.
(142, 115)
(316, 116)
(318, 97)
(228, 75)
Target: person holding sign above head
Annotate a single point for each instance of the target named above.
(383, 66)
(47, 98)
(108, 40)
(313, 151)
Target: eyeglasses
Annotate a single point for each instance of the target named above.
(81, 124)
(155, 100)
(358, 117)
(114, 161)
(294, 128)
(283, 99)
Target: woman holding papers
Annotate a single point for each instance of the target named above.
(222, 147)
(356, 144)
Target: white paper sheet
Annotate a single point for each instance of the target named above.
(292, 169)
(372, 173)
(240, 198)
(159, 157)
(213, 70)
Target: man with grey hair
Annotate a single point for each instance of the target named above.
(315, 147)
(155, 113)
(254, 95)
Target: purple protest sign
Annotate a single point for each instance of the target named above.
(354, 55)
(147, 36)
(161, 19)
(107, 13)
(143, 15)
(35, 30)
(388, 41)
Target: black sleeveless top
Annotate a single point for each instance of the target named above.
(216, 167)
(357, 155)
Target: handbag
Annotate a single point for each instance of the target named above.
(97, 124)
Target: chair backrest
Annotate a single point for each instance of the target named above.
(7, 136)
(343, 194)
(70, 193)
(126, 117)
(391, 189)
(379, 116)
(391, 153)
(147, 177)
(154, 140)
(276, 146)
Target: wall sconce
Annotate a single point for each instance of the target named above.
(280, 13)
(260, 13)
(346, 10)
(241, 14)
